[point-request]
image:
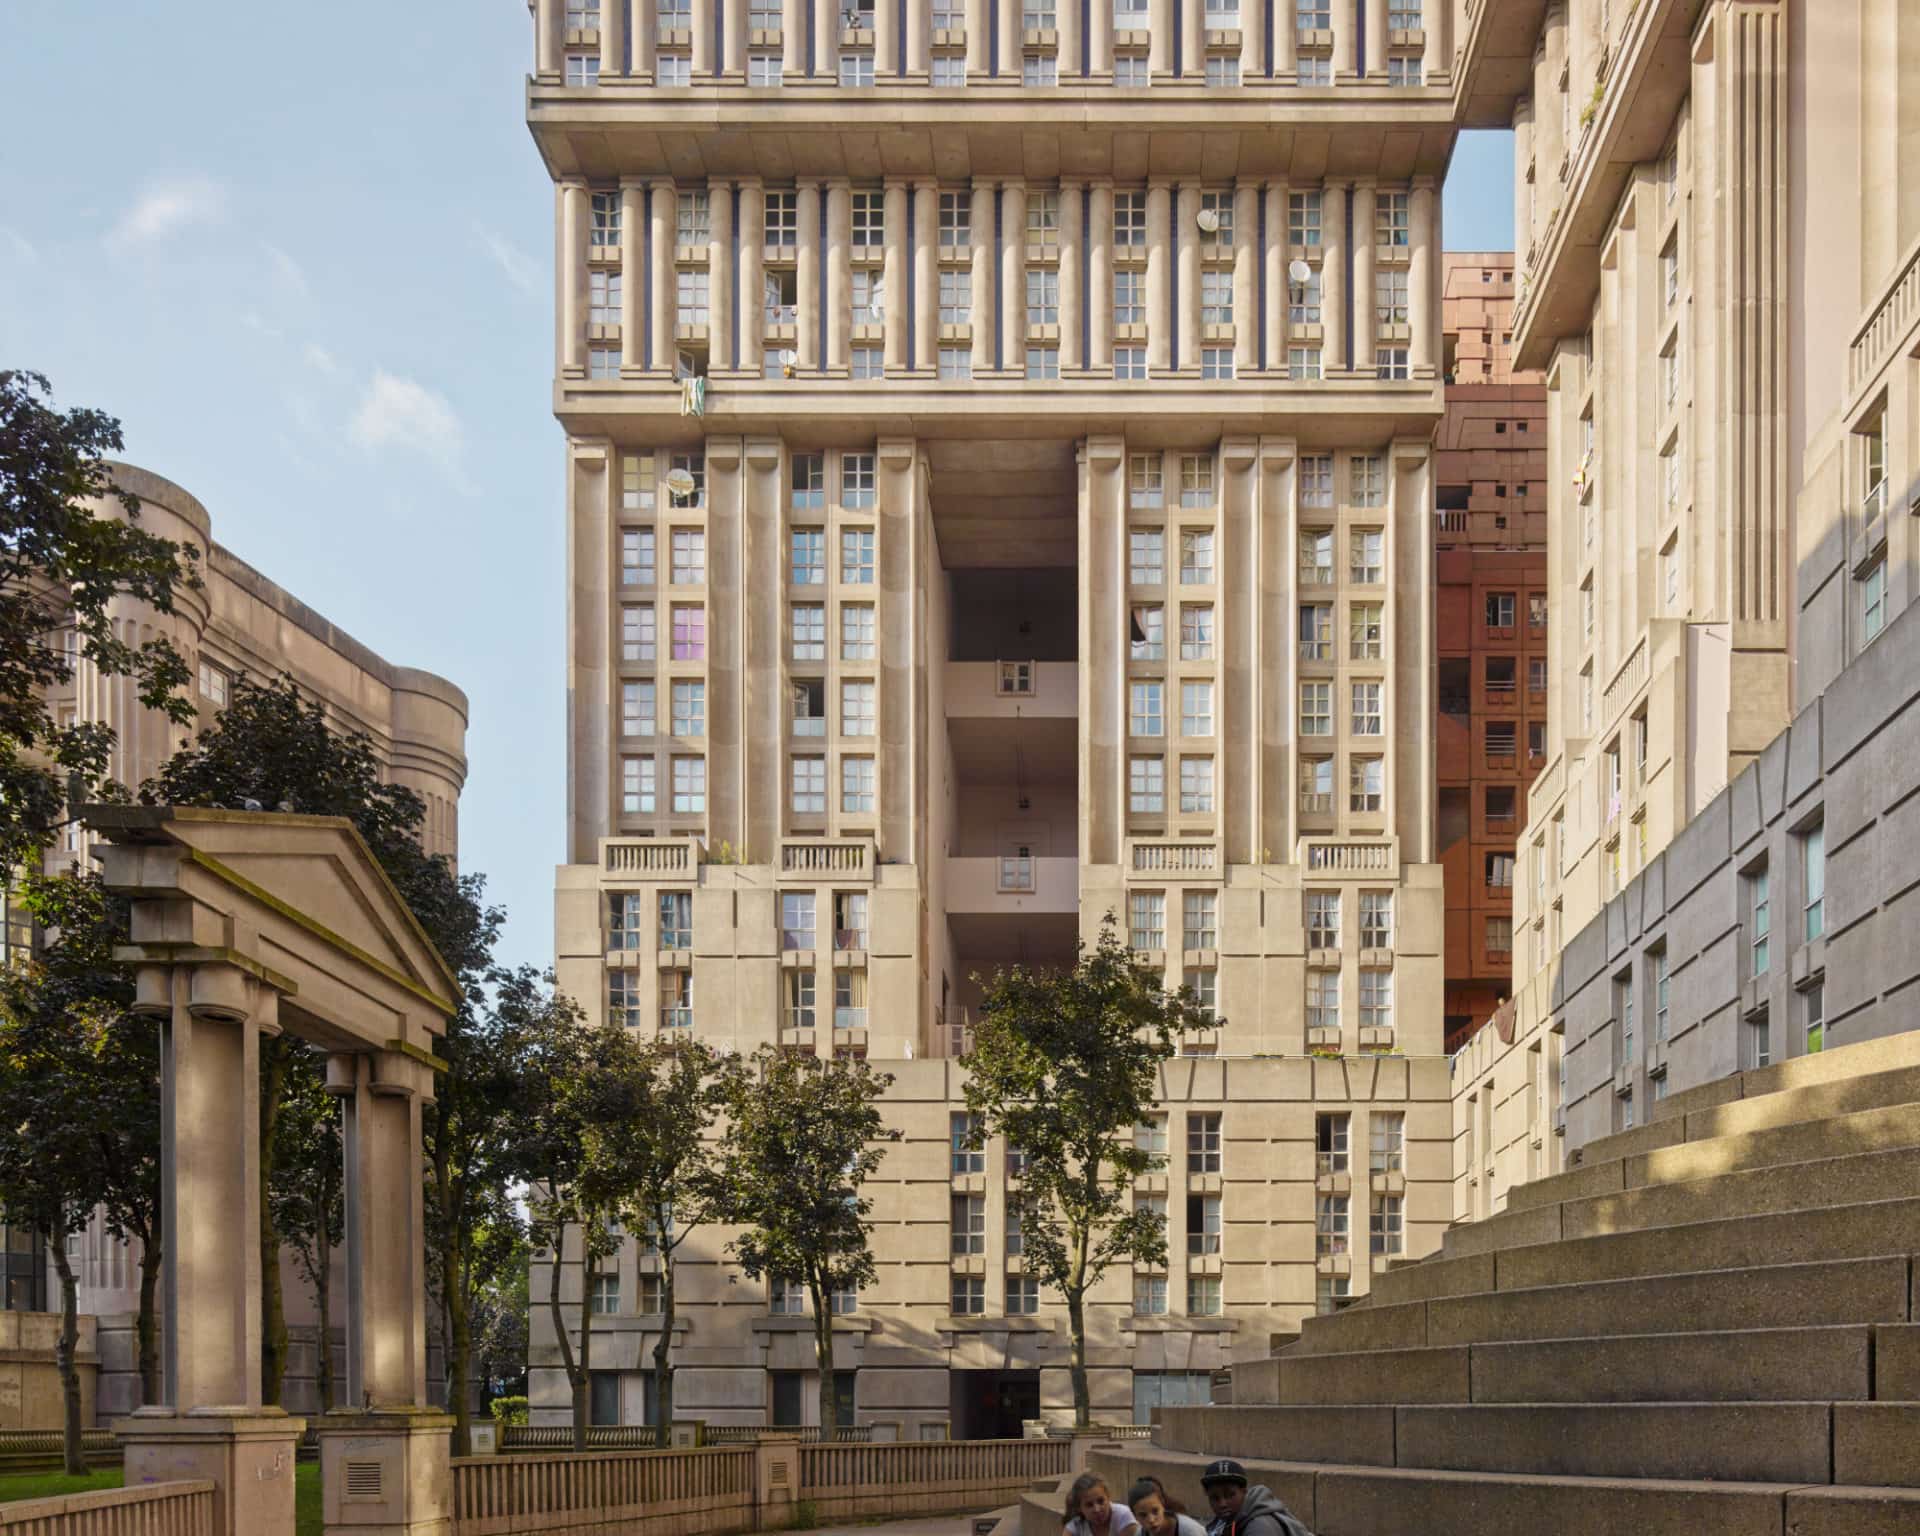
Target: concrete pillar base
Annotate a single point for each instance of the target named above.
(247, 1455)
(386, 1473)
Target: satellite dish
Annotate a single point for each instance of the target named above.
(1209, 221)
(1299, 272)
(680, 482)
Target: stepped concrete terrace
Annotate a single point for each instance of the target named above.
(1709, 1326)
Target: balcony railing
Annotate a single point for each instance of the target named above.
(826, 858)
(1340, 856)
(654, 858)
(1157, 857)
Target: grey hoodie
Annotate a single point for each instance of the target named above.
(1261, 1514)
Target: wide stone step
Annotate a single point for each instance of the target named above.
(1756, 1365)
(1390, 1501)
(1877, 1129)
(1859, 1178)
(1788, 1442)
(1871, 1290)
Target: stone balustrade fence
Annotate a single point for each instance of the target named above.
(152, 1509)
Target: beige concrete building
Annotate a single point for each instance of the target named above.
(1717, 274)
(239, 623)
(999, 495)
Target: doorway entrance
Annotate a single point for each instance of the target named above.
(991, 1405)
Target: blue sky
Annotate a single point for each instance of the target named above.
(306, 260)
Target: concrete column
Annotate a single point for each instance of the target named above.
(1193, 40)
(1286, 40)
(1276, 258)
(793, 40)
(764, 540)
(1333, 277)
(886, 41)
(1363, 326)
(549, 37)
(1013, 277)
(720, 296)
(634, 312)
(979, 39)
(663, 196)
(1160, 259)
(1436, 58)
(807, 269)
(571, 261)
(733, 39)
(704, 60)
(1253, 36)
(1007, 16)
(753, 300)
(1246, 277)
(1072, 272)
(1187, 247)
(1523, 199)
(983, 278)
(1160, 40)
(613, 40)
(1067, 16)
(903, 520)
(826, 40)
(896, 314)
(1103, 718)
(926, 277)
(1377, 38)
(1345, 62)
(1100, 278)
(643, 28)
(1422, 279)
(919, 40)
(1100, 41)
(839, 277)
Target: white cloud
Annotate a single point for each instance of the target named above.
(319, 359)
(519, 267)
(21, 247)
(286, 270)
(397, 412)
(167, 204)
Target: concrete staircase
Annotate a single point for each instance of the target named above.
(1710, 1325)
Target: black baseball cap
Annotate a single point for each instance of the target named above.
(1223, 1471)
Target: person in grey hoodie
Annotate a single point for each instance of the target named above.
(1240, 1510)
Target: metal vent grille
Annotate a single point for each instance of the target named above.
(366, 1480)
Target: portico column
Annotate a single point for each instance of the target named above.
(983, 278)
(979, 43)
(806, 279)
(613, 40)
(720, 276)
(1246, 278)
(1363, 299)
(1253, 36)
(733, 40)
(1377, 39)
(886, 42)
(926, 277)
(1193, 40)
(1437, 56)
(571, 259)
(664, 199)
(1187, 245)
(1286, 40)
(703, 59)
(1013, 276)
(1100, 278)
(1420, 278)
(1333, 278)
(793, 40)
(1100, 41)
(895, 315)
(1159, 277)
(548, 37)
(1011, 40)
(919, 40)
(1345, 62)
(643, 28)
(1160, 40)
(839, 278)
(826, 42)
(753, 298)
(1072, 269)
(1069, 40)
(635, 302)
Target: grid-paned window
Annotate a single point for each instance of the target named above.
(1147, 920)
(1376, 999)
(606, 219)
(1196, 709)
(1316, 709)
(962, 1132)
(1388, 1235)
(1203, 1295)
(1149, 1295)
(856, 556)
(689, 786)
(1366, 631)
(1323, 1000)
(690, 286)
(1196, 480)
(1303, 214)
(1199, 922)
(856, 72)
(956, 296)
(1146, 557)
(856, 786)
(636, 709)
(625, 1005)
(1129, 297)
(689, 551)
(1196, 786)
(1303, 299)
(809, 632)
(1146, 709)
(1130, 219)
(1196, 632)
(1376, 920)
(956, 217)
(1392, 219)
(1216, 297)
(856, 480)
(1331, 1150)
(1203, 1142)
(1366, 564)
(637, 786)
(1316, 480)
(1760, 920)
(1145, 486)
(1147, 786)
(676, 999)
(782, 219)
(1387, 1133)
(1146, 633)
(967, 1224)
(1367, 719)
(1330, 1225)
(856, 708)
(809, 786)
(1196, 556)
(1366, 785)
(603, 298)
(689, 641)
(691, 218)
(637, 557)
(1323, 920)
(689, 708)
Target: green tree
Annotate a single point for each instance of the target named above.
(653, 1158)
(803, 1136)
(497, 1305)
(62, 565)
(79, 1106)
(308, 1189)
(1064, 1066)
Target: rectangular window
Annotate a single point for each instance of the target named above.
(782, 218)
(1146, 557)
(689, 708)
(1367, 714)
(869, 363)
(956, 217)
(809, 786)
(1367, 556)
(1203, 1142)
(1388, 1135)
(1330, 1142)
(1388, 1235)
(1196, 709)
(796, 920)
(1392, 219)
(1147, 786)
(583, 69)
(606, 220)
(636, 709)
(1392, 363)
(1404, 69)
(962, 1130)
(1196, 785)
(1198, 920)
(637, 786)
(1145, 713)
(1149, 1295)
(676, 999)
(1130, 72)
(624, 1006)
(1146, 633)
(1813, 868)
(1196, 632)
(1150, 1136)
(1873, 599)
(1130, 363)
(1323, 999)
(856, 708)
(1760, 919)
(968, 1224)
(1390, 296)
(1130, 218)
(1196, 557)
(969, 1295)
(1043, 362)
(691, 291)
(856, 72)
(636, 558)
(1216, 297)
(1146, 488)
(689, 640)
(856, 631)
(603, 298)
(1196, 484)
(1129, 297)
(689, 549)
(624, 909)
(1376, 999)
(856, 556)
(856, 786)
(1303, 302)
(1323, 920)
(809, 629)
(1813, 1004)
(1043, 295)
(1023, 1295)
(1366, 631)
(1203, 1295)
(1039, 70)
(956, 296)
(1316, 709)
(673, 69)
(1303, 208)
(1330, 1226)
(1366, 785)
(1223, 70)
(1147, 920)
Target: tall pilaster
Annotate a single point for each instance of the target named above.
(839, 278)
(897, 314)
(809, 353)
(1333, 277)
(1013, 277)
(983, 278)
(720, 295)
(1423, 278)
(1246, 277)
(1159, 277)
(636, 313)
(753, 300)
(1187, 245)
(1072, 274)
(926, 277)
(1362, 307)
(570, 258)
(1100, 278)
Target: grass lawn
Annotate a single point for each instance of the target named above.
(46, 1485)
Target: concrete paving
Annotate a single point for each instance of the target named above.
(934, 1525)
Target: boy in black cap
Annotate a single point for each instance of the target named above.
(1239, 1510)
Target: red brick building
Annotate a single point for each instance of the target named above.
(1491, 543)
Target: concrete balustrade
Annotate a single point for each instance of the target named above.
(159, 1509)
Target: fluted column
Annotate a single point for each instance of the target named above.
(643, 29)
(549, 35)
(839, 277)
(634, 313)
(983, 277)
(703, 57)
(919, 40)
(1100, 278)
(1187, 248)
(1377, 38)
(720, 276)
(570, 258)
(1100, 41)
(1333, 277)
(1160, 42)
(753, 299)
(895, 314)
(1193, 40)
(979, 35)
(806, 279)
(1253, 36)
(661, 195)
(1246, 277)
(926, 277)
(1277, 258)
(1422, 298)
(1013, 276)
(613, 39)
(1160, 258)
(1363, 300)
(1072, 271)
(886, 42)
(733, 39)
(793, 40)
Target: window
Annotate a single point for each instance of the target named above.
(856, 786)
(1129, 297)
(856, 709)
(623, 920)
(1813, 1005)
(1872, 454)
(1039, 69)
(809, 629)
(673, 69)
(807, 481)
(1499, 867)
(956, 296)
(1196, 632)
(1043, 294)
(1390, 295)
(1391, 221)
(605, 1300)
(636, 483)
(1813, 869)
(1757, 1045)
(1376, 999)
(1023, 1293)
(689, 550)
(1536, 674)
(1404, 69)
(689, 786)
(1500, 610)
(856, 556)
(1216, 297)
(1196, 709)
(606, 219)
(1303, 301)
(1330, 1225)
(800, 1000)
(856, 480)
(1197, 492)
(1323, 920)
(962, 1129)
(809, 713)
(1203, 1143)
(603, 362)
(1873, 599)
(1670, 269)
(1149, 1295)
(856, 71)
(796, 920)
(1499, 937)
(809, 786)
(1316, 557)
(856, 631)
(1367, 709)
(1130, 70)
(1367, 555)
(956, 215)
(1387, 1236)
(1366, 627)
(849, 920)
(968, 1224)
(969, 1295)
(603, 298)
(782, 218)
(1145, 715)
(1130, 363)
(869, 363)
(1130, 218)
(1146, 633)
(1366, 785)
(786, 1298)
(1500, 739)
(1316, 786)
(691, 287)
(1316, 709)
(1537, 621)
(1392, 363)
(636, 559)
(1043, 208)
(623, 999)
(1147, 920)
(1330, 1143)
(1203, 1295)
(1043, 362)
(689, 638)
(1196, 785)
(1657, 964)
(1146, 488)
(1303, 212)
(637, 786)
(1223, 70)
(1330, 1293)
(676, 999)
(689, 708)
(674, 16)
(583, 69)
(1146, 786)
(1150, 1136)
(1196, 554)
(1388, 1142)
(1323, 1000)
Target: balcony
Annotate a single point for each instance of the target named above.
(1338, 858)
(994, 885)
(1173, 859)
(813, 858)
(652, 858)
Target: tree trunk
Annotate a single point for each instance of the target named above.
(823, 1356)
(273, 1312)
(459, 1329)
(575, 1379)
(66, 1356)
(663, 1355)
(583, 1388)
(147, 1323)
(1076, 1293)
